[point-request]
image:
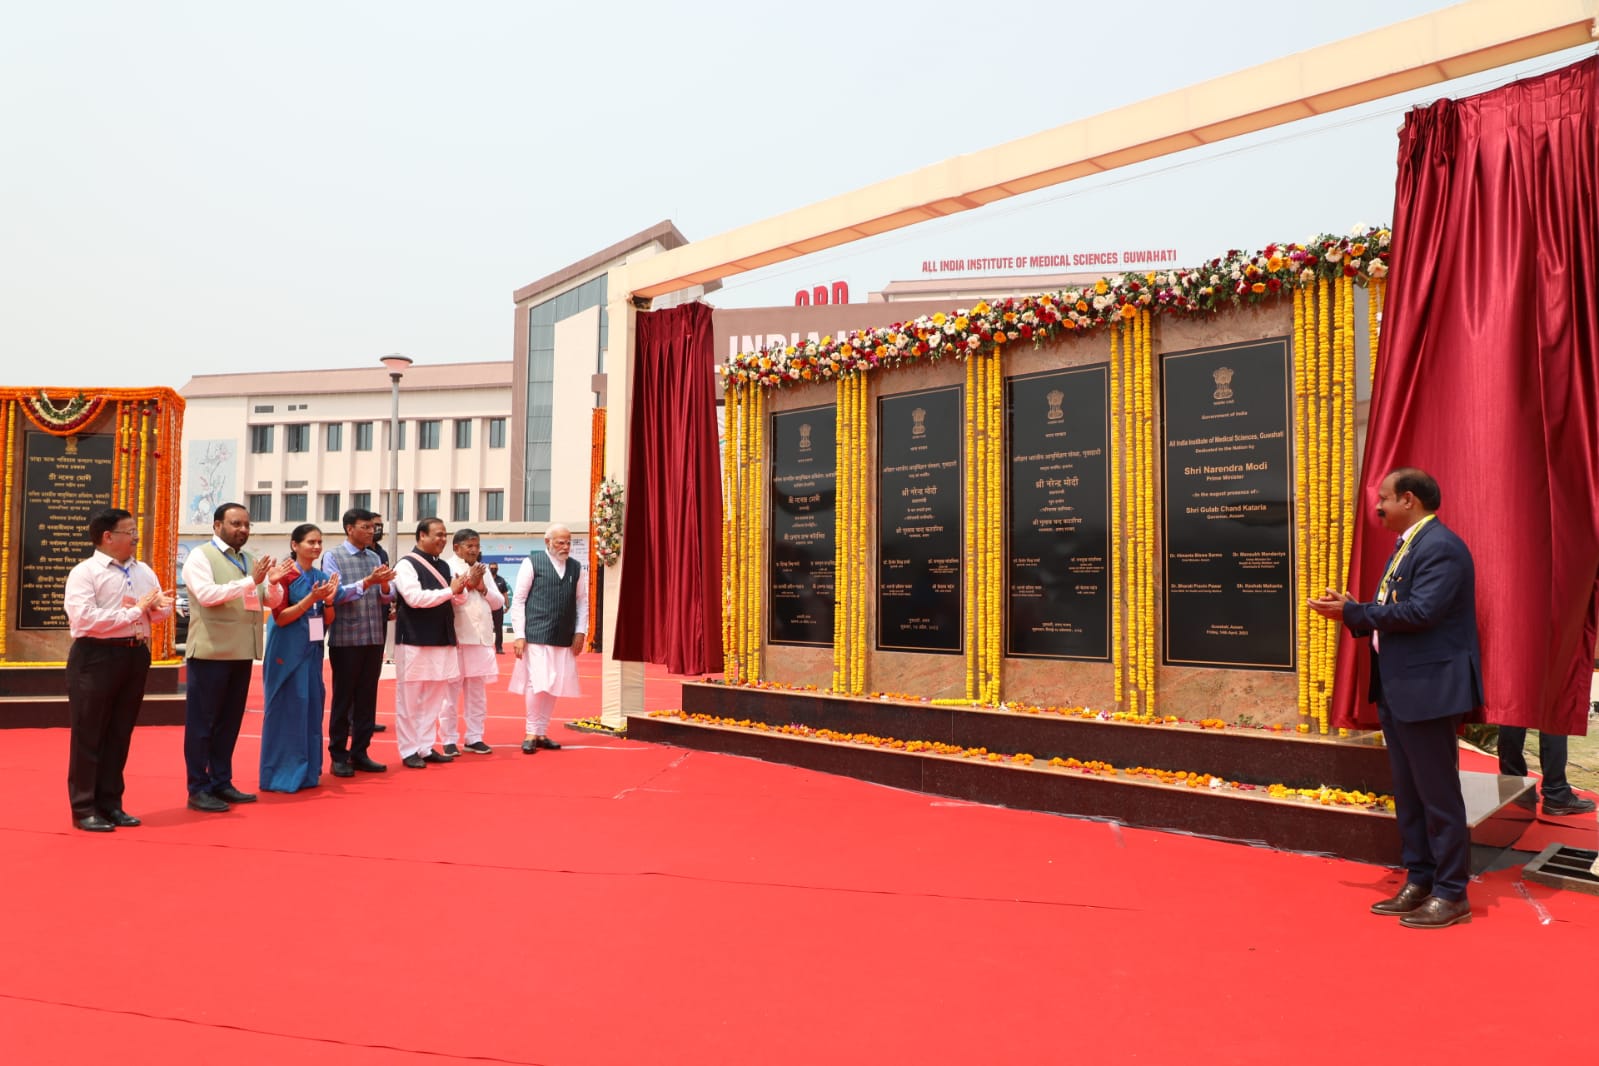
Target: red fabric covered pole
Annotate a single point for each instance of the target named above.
(669, 606)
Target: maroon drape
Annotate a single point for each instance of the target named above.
(669, 607)
(1488, 380)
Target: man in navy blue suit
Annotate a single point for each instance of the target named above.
(1426, 676)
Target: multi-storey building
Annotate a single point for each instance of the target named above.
(302, 446)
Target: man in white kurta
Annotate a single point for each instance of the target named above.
(426, 662)
(468, 703)
(549, 618)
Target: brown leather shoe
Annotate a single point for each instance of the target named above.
(1437, 913)
(1410, 897)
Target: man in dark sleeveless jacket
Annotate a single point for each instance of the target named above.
(549, 618)
(426, 662)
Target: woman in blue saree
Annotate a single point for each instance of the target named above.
(291, 735)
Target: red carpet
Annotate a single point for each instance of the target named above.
(621, 903)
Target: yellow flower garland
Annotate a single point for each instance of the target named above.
(1324, 795)
(1118, 406)
(8, 421)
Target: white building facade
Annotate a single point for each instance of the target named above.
(303, 446)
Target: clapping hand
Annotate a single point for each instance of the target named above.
(381, 576)
(475, 576)
(258, 572)
(457, 583)
(328, 589)
(156, 599)
(282, 572)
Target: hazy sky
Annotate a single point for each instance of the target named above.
(214, 187)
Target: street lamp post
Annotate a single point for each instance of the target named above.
(397, 365)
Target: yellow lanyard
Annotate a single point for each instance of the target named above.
(1399, 557)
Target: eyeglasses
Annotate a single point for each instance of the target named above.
(134, 533)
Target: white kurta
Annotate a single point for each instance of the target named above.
(474, 626)
(424, 675)
(545, 667)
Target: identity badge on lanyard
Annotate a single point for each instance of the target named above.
(314, 628)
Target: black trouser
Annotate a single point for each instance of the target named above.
(354, 706)
(105, 688)
(499, 632)
(214, 697)
(1428, 805)
(1551, 759)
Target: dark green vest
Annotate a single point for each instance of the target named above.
(551, 609)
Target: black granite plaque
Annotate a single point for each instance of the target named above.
(65, 480)
(919, 568)
(1058, 593)
(804, 478)
(1229, 523)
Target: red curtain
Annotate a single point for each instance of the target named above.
(669, 607)
(1488, 379)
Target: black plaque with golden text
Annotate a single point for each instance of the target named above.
(804, 478)
(1229, 520)
(1058, 593)
(919, 486)
(65, 480)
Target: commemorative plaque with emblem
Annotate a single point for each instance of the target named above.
(919, 531)
(1058, 545)
(65, 480)
(804, 478)
(1229, 522)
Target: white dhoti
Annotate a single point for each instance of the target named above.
(425, 677)
(470, 699)
(545, 672)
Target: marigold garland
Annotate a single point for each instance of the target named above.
(849, 537)
(596, 476)
(1324, 795)
(8, 420)
(1235, 279)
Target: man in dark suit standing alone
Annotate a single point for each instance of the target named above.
(1426, 676)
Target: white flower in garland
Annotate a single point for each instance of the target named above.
(607, 523)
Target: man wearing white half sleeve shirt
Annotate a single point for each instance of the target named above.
(549, 618)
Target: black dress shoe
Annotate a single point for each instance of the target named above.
(437, 756)
(380, 728)
(1410, 897)
(1572, 804)
(122, 819)
(1437, 913)
(530, 746)
(367, 765)
(229, 794)
(93, 824)
(343, 769)
(546, 742)
(415, 762)
(204, 801)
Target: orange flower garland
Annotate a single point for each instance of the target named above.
(1324, 795)
(596, 475)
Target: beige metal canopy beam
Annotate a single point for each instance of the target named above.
(1453, 43)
